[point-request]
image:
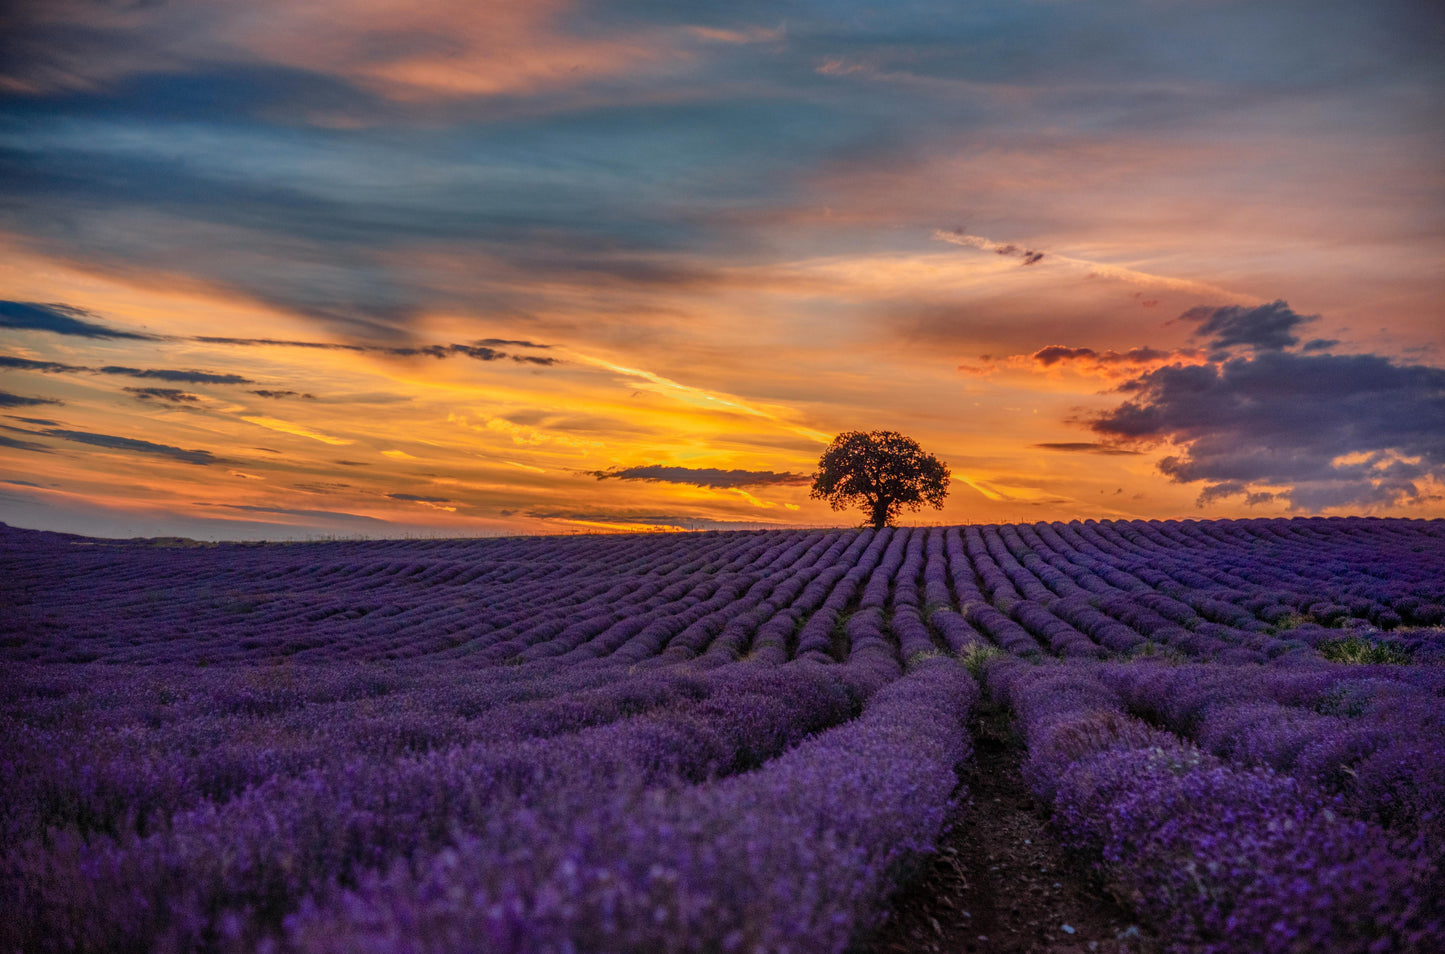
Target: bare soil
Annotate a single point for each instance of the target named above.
(1001, 883)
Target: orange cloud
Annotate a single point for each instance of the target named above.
(447, 48)
(1090, 362)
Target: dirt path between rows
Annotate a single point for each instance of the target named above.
(1000, 883)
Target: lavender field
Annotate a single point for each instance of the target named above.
(742, 741)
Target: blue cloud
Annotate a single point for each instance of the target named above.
(60, 319)
(295, 512)
(181, 377)
(112, 442)
(1269, 327)
(29, 364)
(16, 400)
(701, 476)
(170, 395)
(1332, 430)
(15, 443)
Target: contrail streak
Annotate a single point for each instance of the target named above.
(697, 397)
(1116, 272)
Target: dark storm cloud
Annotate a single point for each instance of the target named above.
(701, 476)
(172, 395)
(1334, 430)
(1085, 447)
(111, 442)
(1268, 327)
(16, 400)
(60, 319)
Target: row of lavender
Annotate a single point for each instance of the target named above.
(1244, 591)
(589, 791)
(1245, 808)
(616, 833)
(581, 752)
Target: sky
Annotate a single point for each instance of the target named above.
(300, 269)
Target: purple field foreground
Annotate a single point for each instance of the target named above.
(741, 741)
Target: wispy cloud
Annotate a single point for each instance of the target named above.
(16, 400)
(483, 350)
(168, 395)
(300, 512)
(15, 443)
(282, 395)
(1118, 273)
(180, 377)
(1055, 354)
(478, 352)
(60, 319)
(624, 519)
(135, 445)
(299, 430)
(1087, 447)
(700, 397)
(44, 367)
(701, 476)
(436, 503)
(159, 374)
(1106, 362)
(1026, 256)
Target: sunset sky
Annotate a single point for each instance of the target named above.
(298, 268)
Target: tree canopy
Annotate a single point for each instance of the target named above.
(880, 472)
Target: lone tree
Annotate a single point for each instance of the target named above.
(880, 472)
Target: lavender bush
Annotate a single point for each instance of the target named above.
(1222, 857)
(713, 741)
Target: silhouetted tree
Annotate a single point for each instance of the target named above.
(880, 472)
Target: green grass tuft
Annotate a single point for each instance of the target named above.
(976, 657)
(1361, 651)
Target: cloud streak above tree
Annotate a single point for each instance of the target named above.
(702, 476)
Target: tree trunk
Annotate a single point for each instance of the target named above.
(880, 514)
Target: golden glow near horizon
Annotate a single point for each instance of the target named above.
(538, 268)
